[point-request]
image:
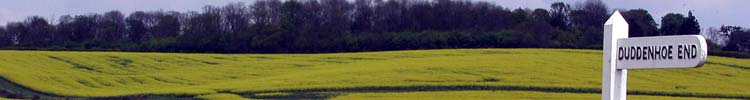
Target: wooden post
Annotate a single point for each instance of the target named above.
(614, 80)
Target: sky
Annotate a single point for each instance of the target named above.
(710, 13)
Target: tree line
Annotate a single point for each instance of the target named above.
(729, 38)
(319, 26)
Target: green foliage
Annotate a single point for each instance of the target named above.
(739, 41)
(271, 26)
(329, 26)
(640, 23)
(671, 23)
(4, 37)
(690, 26)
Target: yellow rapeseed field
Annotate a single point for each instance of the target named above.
(355, 75)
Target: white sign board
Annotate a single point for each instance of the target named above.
(683, 51)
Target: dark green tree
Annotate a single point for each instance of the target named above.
(520, 16)
(167, 24)
(4, 38)
(111, 27)
(640, 23)
(559, 15)
(739, 41)
(266, 12)
(588, 18)
(292, 23)
(690, 26)
(737, 38)
(389, 16)
(202, 32)
(541, 29)
(64, 32)
(363, 16)
(38, 34)
(136, 25)
(13, 30)
(83, 27)
(671, 23)
(237, 18)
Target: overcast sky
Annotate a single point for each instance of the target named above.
(710, 13)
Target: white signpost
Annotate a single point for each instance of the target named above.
(622, 53)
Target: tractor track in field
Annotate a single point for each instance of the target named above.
(325, 93)
(730, 65)
(12, 90)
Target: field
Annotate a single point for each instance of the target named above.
(450, 73)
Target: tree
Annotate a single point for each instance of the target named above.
(588, 18)
(38, 34)
(521, 25)
(363, 16)
(336, 16)
(729, 29)
(640, 23)
(559, 15)
(541, 29)
(739, 41)
(491, 17)
(167, 24)
(13, 30)
(540, 15)
(83, 27)
(309, 24)
(561, 21)
(389, 16)
(519, 16)
(266, 15)
(202, 31)
(111, 27)
(418, 17)
(4, 38)
(690, 25)
(715, 38)
(736, 37)
(266, 12)
(291, 16)
(671, 23)
(64, 32)
(237, 18)
(291, 23)
(136, 25)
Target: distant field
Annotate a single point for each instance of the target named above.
(555, 73)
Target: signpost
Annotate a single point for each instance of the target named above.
(622, 53)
